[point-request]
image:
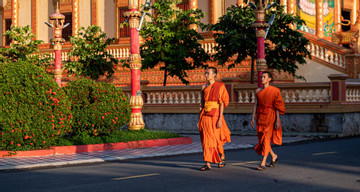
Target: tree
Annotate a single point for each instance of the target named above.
(88, 56)
(171, 43)
(24, 47)
(284, 46)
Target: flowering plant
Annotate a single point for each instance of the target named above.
(98, 108)
(34, 111)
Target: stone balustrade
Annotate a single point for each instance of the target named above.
(352, 92)
(291, 93)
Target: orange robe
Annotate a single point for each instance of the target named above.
(213, 138)
(268, 100)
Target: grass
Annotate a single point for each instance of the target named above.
(118, 136)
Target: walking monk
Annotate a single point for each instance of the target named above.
(214, 132)
(268, 106)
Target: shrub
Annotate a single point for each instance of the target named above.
(97, 108)
(34, 111)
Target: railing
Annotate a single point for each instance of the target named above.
(295, 93)
(328, 53)
(353, 92)
(291, 93)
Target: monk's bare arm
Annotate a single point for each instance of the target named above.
(254, 109)
(221, 109)
(277, 124)
(202, 98)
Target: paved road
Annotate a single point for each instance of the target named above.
(313, 166)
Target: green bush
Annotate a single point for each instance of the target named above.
(34, 111)
(97, 108)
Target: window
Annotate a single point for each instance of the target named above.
(125, 30)
(67, 32)
(184, 5)
(7, 27)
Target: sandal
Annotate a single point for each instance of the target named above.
(261, 168)
(273, 163)
(205, 168)
(222, 163)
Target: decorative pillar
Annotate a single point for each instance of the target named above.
(136, 101)
(211, 11)
(338, 88)
(94, 16)
(319, 18)
(34, 17)
(75, 16)
(290, 7)
(14, 12)
(337, 15)
(193, 5)
(260, 27)
(57, 22)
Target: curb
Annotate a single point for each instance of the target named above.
(62, 150)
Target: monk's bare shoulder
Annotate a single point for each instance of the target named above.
(257, 90)
(203, 87)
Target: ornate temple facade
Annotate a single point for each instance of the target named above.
(332, 26)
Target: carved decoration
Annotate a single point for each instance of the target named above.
(136, 121)
(135, 61)
(75, 17)
(347, 36)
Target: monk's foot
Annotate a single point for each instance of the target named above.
(261, 168)
(273, 162)
(205, 168)
(222, 162)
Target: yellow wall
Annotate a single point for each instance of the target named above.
(25, 13)
(85, 13)
(106, 15)
(314, 72)
(45, 9)
(204, 6)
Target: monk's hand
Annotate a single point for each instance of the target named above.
(219, 124)
(252, 123)
(277, 125)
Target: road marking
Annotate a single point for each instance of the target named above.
(137, 176)
(248, 162)
(325, 153)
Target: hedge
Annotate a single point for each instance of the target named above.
(34, 111)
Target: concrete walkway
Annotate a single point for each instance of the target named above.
(16, 163)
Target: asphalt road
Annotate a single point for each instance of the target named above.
(332, 165)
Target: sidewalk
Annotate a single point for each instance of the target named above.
(16, 163)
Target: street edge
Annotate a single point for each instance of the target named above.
(62, 150)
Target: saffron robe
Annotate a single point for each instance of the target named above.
(268, 100)
(213, 138)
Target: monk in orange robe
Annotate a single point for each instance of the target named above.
(214, 132)
(268, 106)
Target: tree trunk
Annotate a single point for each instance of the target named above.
(165, 76)
(252, 70)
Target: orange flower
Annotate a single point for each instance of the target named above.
(11, 142)
(26, 137)
(102, 117)
(18, 144)
(44, 141)
(95, 130)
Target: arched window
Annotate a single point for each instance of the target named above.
(125, 30)
(184, 5)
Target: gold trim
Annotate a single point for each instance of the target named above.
(136, 121)
(260, 33)
(260, 25)
(136, 102)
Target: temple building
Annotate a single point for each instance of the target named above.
(332, 26)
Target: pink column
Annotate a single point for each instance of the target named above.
(57, 22)
(260, 26)
(136, 101)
